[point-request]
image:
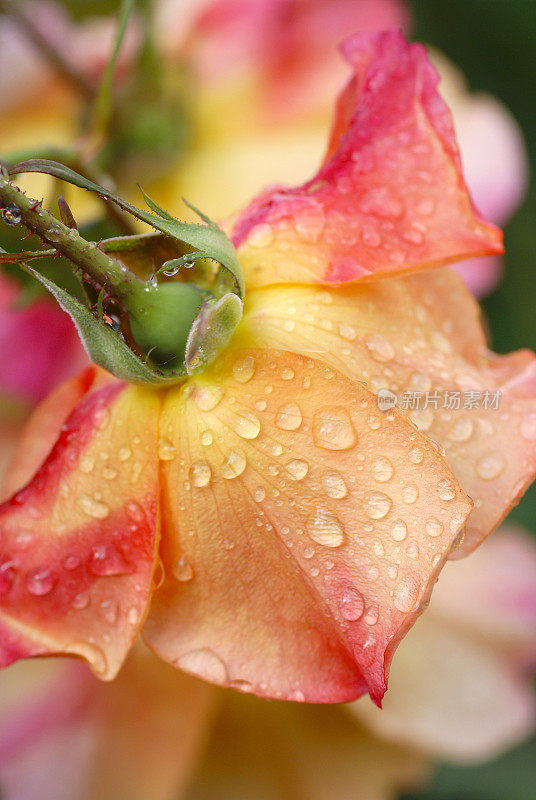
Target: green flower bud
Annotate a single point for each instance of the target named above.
(161, 318)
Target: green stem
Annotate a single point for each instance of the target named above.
(117, 279)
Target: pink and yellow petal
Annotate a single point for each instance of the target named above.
(421, 337)
(460, 686)
(293, 541)
(64, 734)
(78, 542)
(390, 195)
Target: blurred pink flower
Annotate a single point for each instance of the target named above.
(39, 346)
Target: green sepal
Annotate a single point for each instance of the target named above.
(104, 346)
(208, 238)
(211, 331)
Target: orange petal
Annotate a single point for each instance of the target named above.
(77, 545)
(390, 196)
(422, 334)
(293, 540)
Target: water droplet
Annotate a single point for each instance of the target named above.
(377, 505)
(40, 581)
(108, 609)
(416, 455)
(289, 325)
(109, 474)
(410, 493)
(261, 235)
(259, 494)
(183, 570)
(11, 214)
(445, 490)
(133, 615)
(7, 576)
(382, 469)
(93, 508)
(86, 464)
(422, 417)
(406, 594)
(289, 417)
(351, 604)
(347, 332)
(434, 527)
(107, 561)
(206, 438)
(80, 601)
(166, 450)
(399, 530)
(234, 465)
(244, 369)
(334, 485)
(247, 425)
(380, 349)
(333, 429)
(23, 540)
(528, 427)
(71, 562)
(462, 430)
(101, 418)
(325, 529)
(372, 616)
(412, 551)
(204, 663)
(200, 474)
(287, 374)
(297, 468)
(207, 397)
(124, 453)
(490, 466)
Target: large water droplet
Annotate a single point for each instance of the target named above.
(351, 604)
(416, 455)
(207, 397)
(325, 529)
(247, 425)
(244, 369)
(205, 664)
(206, 438)
(445, 490)
(490, 466)
(40, 581)
(183, 570)
(462, 430)
(379, 348)
(334, 485)
(200, 474)
(434, 527)
(289, 417)
(382, 469)
(234, 465)
(377, 505)
(333, 429)
(406, 594)
(410, 493)
(399, 530)
(297, 468)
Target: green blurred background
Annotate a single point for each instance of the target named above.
(494, 44)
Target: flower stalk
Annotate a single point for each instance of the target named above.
(89, 258)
